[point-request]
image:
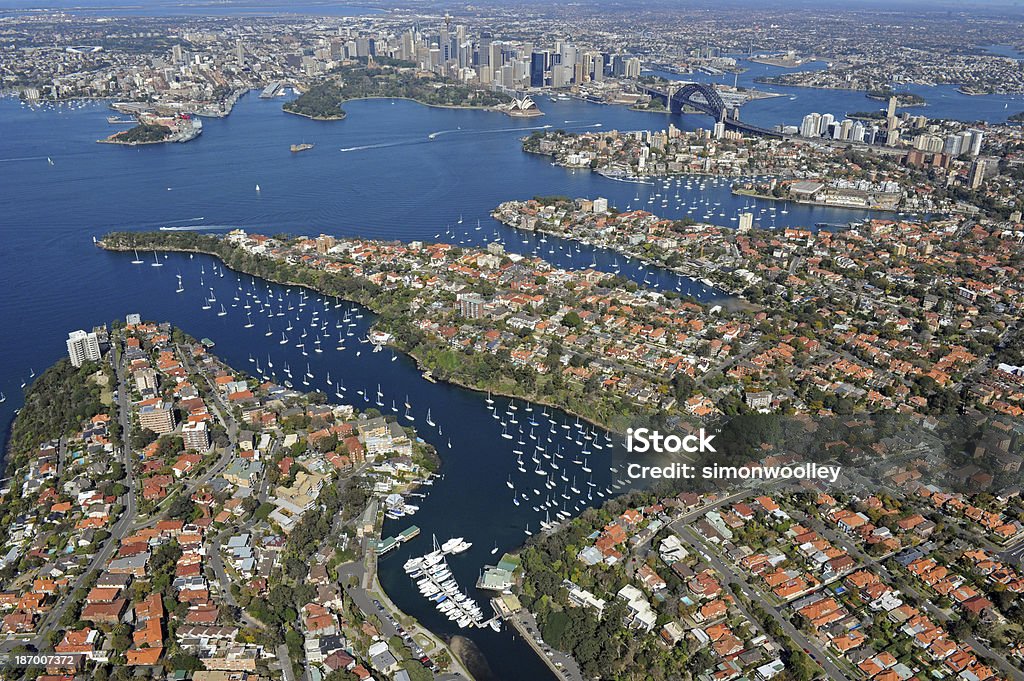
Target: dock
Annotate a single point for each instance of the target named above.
(382, 546)
(272, 90)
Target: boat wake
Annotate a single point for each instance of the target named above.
(435, 135)
(382, 145)
(196, 228)
(23, 158)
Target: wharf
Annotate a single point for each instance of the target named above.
(272, 90)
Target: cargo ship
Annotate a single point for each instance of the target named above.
(301, 147)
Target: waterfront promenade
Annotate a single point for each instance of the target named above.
(561, 664)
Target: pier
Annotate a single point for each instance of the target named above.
(272, 90)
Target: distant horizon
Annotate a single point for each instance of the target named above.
(283, 6)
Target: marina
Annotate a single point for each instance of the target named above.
(435, 582)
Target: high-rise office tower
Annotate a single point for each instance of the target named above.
(537, 61)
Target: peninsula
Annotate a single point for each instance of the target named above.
(387, 78)
(484, 319)
(166, 511)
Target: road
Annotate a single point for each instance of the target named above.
(123, 524)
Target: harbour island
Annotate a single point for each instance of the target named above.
(153, 128)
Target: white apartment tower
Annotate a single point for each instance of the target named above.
(83, 347)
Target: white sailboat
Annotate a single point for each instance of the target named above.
(156, 261)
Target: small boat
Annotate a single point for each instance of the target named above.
(257, 187)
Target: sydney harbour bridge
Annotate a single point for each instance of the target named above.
(704, 98)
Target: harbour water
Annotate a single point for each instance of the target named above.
(941, 101)
(409, 172)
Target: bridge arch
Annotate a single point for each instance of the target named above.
(701, 97)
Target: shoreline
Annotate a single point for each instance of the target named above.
(311, 117)
(109, 140)
(422, 103)
(631, 179)
(646, 260)
(344, 114)
(755, 195)
(419, 364)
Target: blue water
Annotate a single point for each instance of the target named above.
(410, 172)
(942, 101)
(1004, 51)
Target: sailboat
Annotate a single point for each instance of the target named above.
(257, 187)
(180, 288)
(156, 261)
(430, 421)
(137, 260)
(222, 311)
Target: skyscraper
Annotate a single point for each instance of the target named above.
(810, 125)
(977, 175)
(975, 145)
(83, 347)
(537, 60)
(825, 125)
